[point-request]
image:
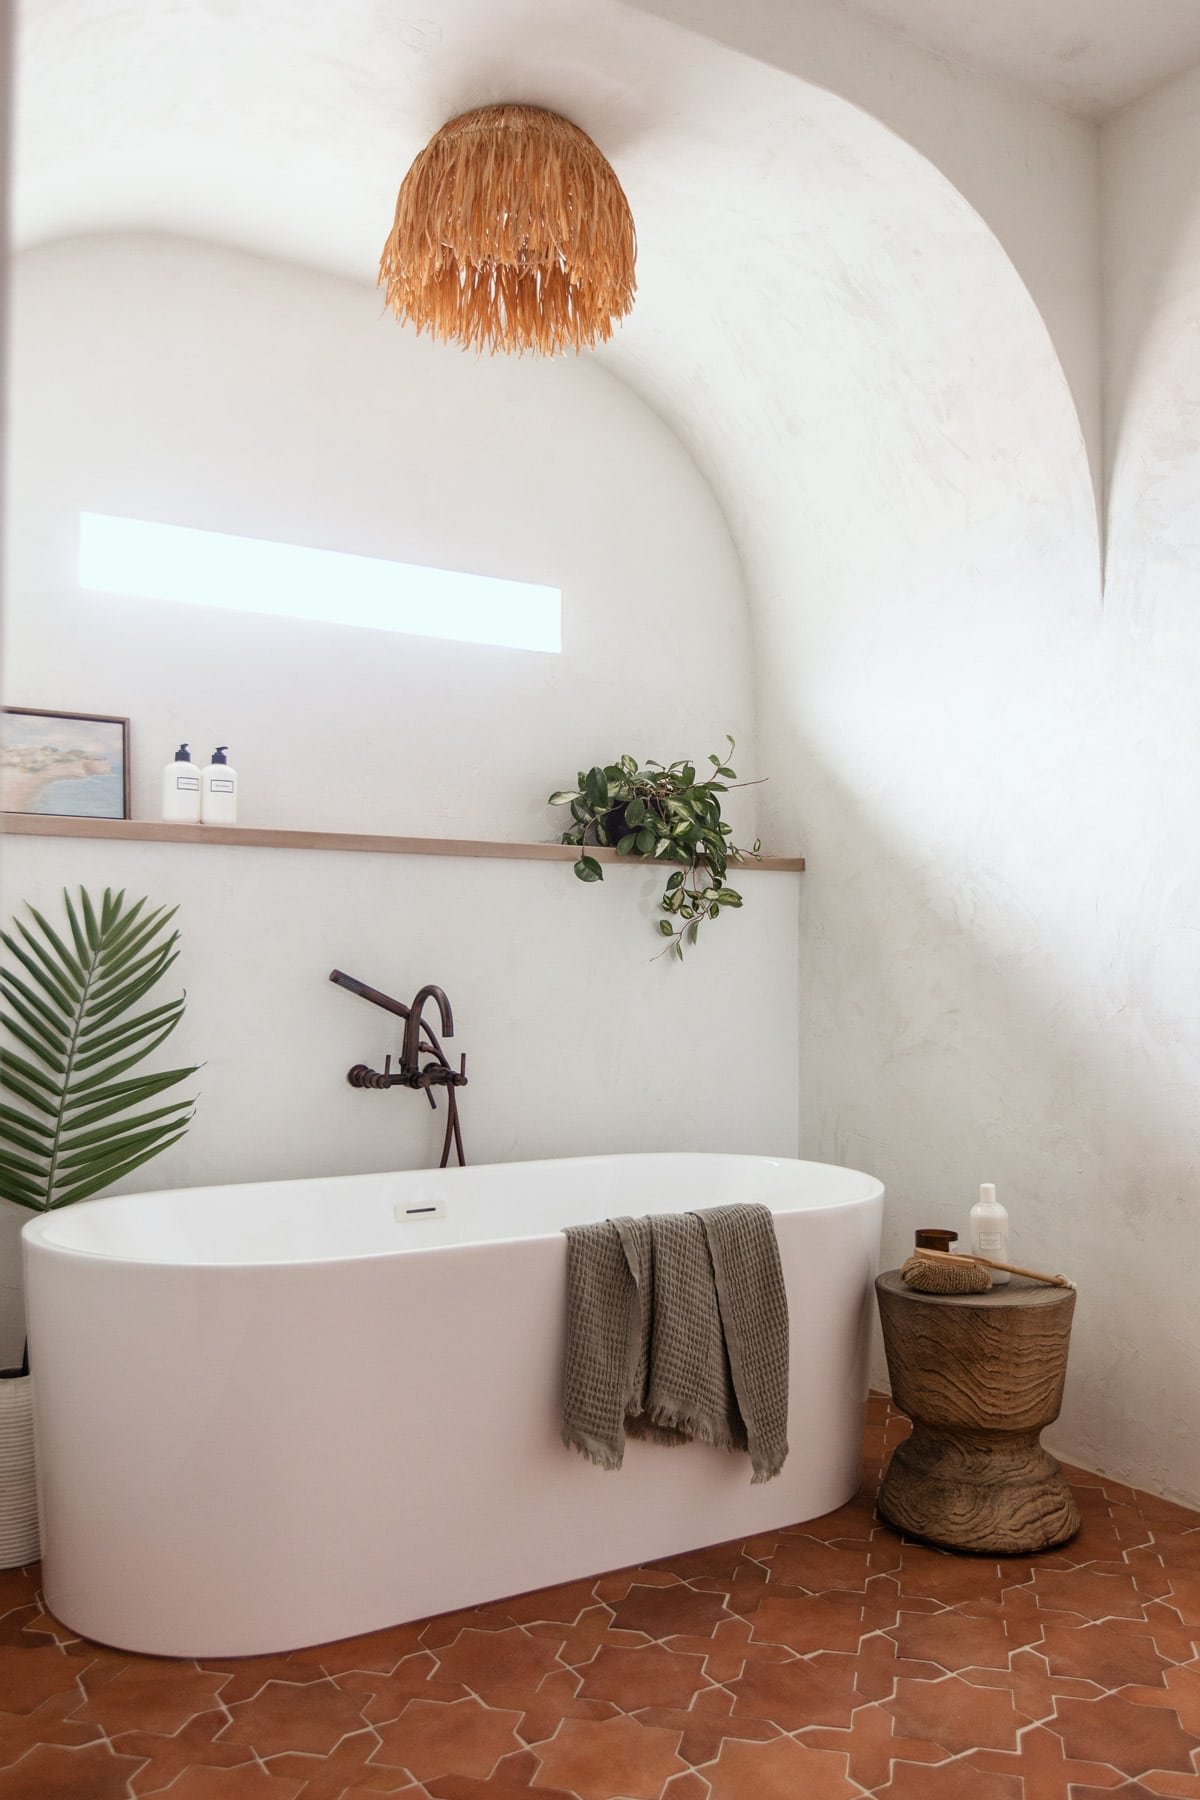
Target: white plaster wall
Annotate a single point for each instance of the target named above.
(163, 379)
(216, 389)
(992, 768)
(1030, 171)
(1147, 776)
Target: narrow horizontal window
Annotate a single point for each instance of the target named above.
(291, 581)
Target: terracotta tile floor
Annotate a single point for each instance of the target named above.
(828, 1661)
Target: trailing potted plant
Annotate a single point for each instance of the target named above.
(68, 1124)
(663, 814)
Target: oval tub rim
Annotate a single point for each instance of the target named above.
(34, 1233)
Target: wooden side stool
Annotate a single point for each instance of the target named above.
(980, 1376)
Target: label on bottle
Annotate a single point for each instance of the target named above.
(991, 1243)
(188, 784)
(219, 787)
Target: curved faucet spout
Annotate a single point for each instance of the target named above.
(412, 1025)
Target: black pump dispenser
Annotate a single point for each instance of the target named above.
(183, 754)
(219, 755)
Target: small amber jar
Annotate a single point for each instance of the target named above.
(932, 1237)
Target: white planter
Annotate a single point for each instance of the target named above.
(19, 1542)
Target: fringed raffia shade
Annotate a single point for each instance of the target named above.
(511, 233)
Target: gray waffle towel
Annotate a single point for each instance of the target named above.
(677, 1329)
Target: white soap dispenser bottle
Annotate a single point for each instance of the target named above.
(181, 790)
(218, 791)
(989, 1230)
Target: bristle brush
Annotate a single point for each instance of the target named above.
(944, 1272)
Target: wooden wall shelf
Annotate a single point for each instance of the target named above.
(146, 831)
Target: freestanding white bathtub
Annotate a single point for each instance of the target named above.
(272, 1415)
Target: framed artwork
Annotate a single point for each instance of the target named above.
(72, 764)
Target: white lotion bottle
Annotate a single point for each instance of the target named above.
(218, 791)
(181, 790)
(989, 1231)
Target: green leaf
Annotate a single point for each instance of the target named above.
(124, 997)
(18, 1140)
(666, 927)
(89, 1041)
(36, 1044)
(51, 1035)
(595, 786)
(119, 955)
(58, 972)
(124, 1037)
(61, 996)
(646, 840)
(104, 988)
(141, 1088)
(728, 774)
(629, 766)
(662, 847)
(9, 1116)
(82, 947)
(91, 923)
(74, 1017)
(562, 798)
(21, 1190)
(9, 1060)
(60, 949)
(123, 926)
(635, 813)
(83, 1190)
(693, 931)
(96, 1157)
(30, 1095)
(58, 1021)
(22, 1165)
(588, 869)
(627, 844)
(674, 881)
(103, 1133)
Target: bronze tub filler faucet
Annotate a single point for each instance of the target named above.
(410, 1074)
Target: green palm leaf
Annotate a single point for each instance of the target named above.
(72, 1124)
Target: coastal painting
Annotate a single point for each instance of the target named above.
(71, 764)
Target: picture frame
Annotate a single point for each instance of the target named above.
(72, 765)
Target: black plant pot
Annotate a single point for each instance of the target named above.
(614, 824)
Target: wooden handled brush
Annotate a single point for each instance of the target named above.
(945, 1272)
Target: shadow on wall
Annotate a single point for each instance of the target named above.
(1152, 291)
(961, 1026)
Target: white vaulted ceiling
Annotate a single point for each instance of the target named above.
(1090, 57)
(821, 313)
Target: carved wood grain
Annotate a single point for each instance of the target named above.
(980, 1376)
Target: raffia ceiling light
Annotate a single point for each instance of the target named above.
(511, 233)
